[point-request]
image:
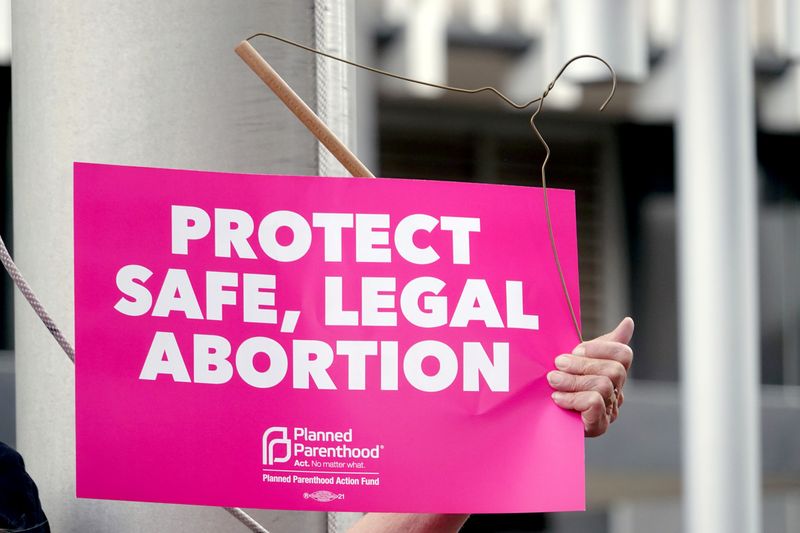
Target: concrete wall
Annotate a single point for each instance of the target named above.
(139, 83)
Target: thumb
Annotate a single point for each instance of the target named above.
(622, 333)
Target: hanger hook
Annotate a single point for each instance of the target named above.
(586, 56)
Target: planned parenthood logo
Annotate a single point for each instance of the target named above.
(276, 447)
(279, 445)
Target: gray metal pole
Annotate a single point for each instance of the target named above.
(718, 304)
(138, 83)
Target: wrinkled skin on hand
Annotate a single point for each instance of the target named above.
(590, 380)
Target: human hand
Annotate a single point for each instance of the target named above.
(590, 380)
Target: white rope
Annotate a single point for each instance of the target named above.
(246, 519)
(26, 290)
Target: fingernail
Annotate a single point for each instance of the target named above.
(554, 378)
(557, 396)
(562, 362)
(579, 350)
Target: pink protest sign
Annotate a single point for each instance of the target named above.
(326, 344)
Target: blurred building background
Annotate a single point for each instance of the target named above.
(621, 162)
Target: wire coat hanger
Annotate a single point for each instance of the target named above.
(349, 160)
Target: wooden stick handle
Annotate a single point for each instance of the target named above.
(297, 106)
